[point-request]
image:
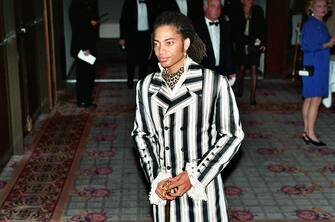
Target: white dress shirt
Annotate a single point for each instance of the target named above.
(142, 17)
(214, 33)
(182, 4)
(247, 26)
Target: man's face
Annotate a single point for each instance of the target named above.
(213, 9)
(247, 3)
(170, 47)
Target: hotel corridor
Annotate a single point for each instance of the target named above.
(81, 165)
(64, 163)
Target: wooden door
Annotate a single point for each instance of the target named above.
(5, 150)
(54, 26)
(32, 59)
(278, 29)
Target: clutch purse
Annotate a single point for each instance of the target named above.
(306, 71)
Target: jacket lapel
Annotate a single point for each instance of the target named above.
(183, 100)
(186, 95)
(159, 94)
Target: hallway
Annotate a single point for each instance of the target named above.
(81, 164)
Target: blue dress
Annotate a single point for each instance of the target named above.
(314, 35)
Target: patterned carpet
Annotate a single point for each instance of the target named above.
(277, 176)
(81, 164)
(44, 170)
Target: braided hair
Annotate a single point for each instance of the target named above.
(184, 26)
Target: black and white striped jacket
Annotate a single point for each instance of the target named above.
(198, 122)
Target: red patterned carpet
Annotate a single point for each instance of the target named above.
(45, 170)
(81, 166)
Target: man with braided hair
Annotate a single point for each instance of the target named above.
(186, 128)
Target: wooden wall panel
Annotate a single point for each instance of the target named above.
(5, 140)
(32, 59)
(278, 29)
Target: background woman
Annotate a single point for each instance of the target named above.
(249, 26)
(315, 44)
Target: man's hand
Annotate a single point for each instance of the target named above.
(94, 23)
(122, 44)
(180, 185)
(232, 79)
(163, 190)
(262, 48)
(87, 52)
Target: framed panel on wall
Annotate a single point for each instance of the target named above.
(5, 134)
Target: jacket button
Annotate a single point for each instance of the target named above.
(181, 128)
(168, 167)
(166, 128)
(167, 148)
(182, 149)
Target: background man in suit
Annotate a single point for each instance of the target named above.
(84, 24)
(190, 8)
(215, 32)
(135, 25)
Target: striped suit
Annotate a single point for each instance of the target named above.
(198, 122)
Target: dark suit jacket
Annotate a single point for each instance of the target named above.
(227, 65)
(194, 7)
(84, 36)
(128, 20)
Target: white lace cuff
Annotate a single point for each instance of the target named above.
(197, 191)
(153, 197)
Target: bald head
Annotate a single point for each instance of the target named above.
(212, 9)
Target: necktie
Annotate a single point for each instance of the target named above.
(142, 1)
(214, 23)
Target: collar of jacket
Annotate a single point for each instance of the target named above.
(186, 94)
(192, 70)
